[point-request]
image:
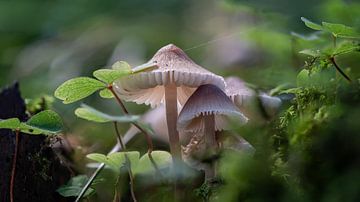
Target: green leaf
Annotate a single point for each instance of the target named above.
(116, 160)
(340, 30)
(311, 25)
(101, 158)
(345, 48)
(312, 53)
(91, 114)
(110, 75)
(12, 123)
(74, 186)
(106, 93)
(121, 65)
(162, 159)
(45, 122)
(78, 88)
(303, 78)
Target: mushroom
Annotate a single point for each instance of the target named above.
(175, 79)
(245, 98)
(202, 112)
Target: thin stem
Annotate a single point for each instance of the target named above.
(117, 146)
(171, 119)
(111, 88)
(210, 142)
(332, 59)
(334, 40)
(89, 182)
(131, 176)
(147, 136)
(127, 161)
(118, 136)
(117, 190)
(13, 170)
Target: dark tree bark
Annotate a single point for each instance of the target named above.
(38, 170)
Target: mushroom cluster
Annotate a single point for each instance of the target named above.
(192, 100)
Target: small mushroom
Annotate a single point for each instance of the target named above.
(207, 105)
(246, 99)
(175, 79)
(201, 113)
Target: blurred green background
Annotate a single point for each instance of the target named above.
(44, 43)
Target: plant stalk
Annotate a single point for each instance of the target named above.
(117, 194)
(147, 136)
(13, 169)
(118, 146)
(123, 108)
(332, 59)
(128, 163)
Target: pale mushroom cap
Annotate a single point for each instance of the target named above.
(238, 92)
(244, 97)
(206, 100)
(174, 66)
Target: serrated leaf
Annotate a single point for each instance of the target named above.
(311, 25)
(340, 30)
(110, 75)
(162, 159)
(45, 122)
(116, 160)
(106, 93)
(91, 114)
(12, 123)
(74, 186)
(312, 53)
(78, 88)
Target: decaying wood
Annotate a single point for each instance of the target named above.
(38, 170)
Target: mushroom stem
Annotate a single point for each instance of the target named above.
(209, 131)
(171, 119)
(211, 144)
